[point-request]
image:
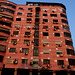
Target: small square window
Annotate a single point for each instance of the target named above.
(18, 19)
(60, 62)
(15, 32)
(19, 13)
(24, 61)
(45, 34)
(20, 8)
(46, 61)
(57, 34)
(12, 50)
(44, 14)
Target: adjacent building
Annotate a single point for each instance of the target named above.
(35, 39)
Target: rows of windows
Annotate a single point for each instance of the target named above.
(7, 4)
(45, 61)
(7, 10)
(55, 21)
(53, 10)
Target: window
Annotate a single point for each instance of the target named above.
(56, 28)
(27, 34)
(30, 9)
(18, 19)
(13, 40)
(62, 15)
(29, 15)
(46, 61)
(45, 51)
(45, 27)
(12, 50)
(25, 50)
(58, 43)
(26, 42)
(53, 15)
(44, 14)
(36, 20)
(55, 21)
(64, 21)
(17, 25)
(59, 51)
(66, 28)
(36, 34)
(1, 58)
(45, 20)
(45, 34)
(2, 48)
(15, 32)
(29, 20)
(36, 42)
(57, 34)
(60, 62)
(20, 8)
(19, 13)
(37, 15)
(35, 51)
(24, 61)
(71, 61)
(63, 11)
(36, 27)
(67, 34)
(70, 51)
(68, 42)
(45, 42)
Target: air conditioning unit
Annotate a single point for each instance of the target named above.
(61, 55)
(43, 22)
(26, 53)
(48, 65)
(12, 34)
(69, 67)
(47, 29)
(21, 50)
(28, 35)
(54, 29)
(59, 45)
(14, 43)
(31, 63)
(27, 44)
(44, 44)
(28, 27)
(25, 35)
(63, 66)
(33, 27)
(1, 10)
(15, 61)
(45, 10)
(18, 27)
(32, 41)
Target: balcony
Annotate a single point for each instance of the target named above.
(2, 9)
(8, 4)
(4, 30)
(5, 23)
(2, 48)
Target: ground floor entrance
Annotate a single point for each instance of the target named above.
(7, 71)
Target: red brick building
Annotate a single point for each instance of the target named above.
(35, 39)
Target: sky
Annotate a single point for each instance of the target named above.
(70, 11)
